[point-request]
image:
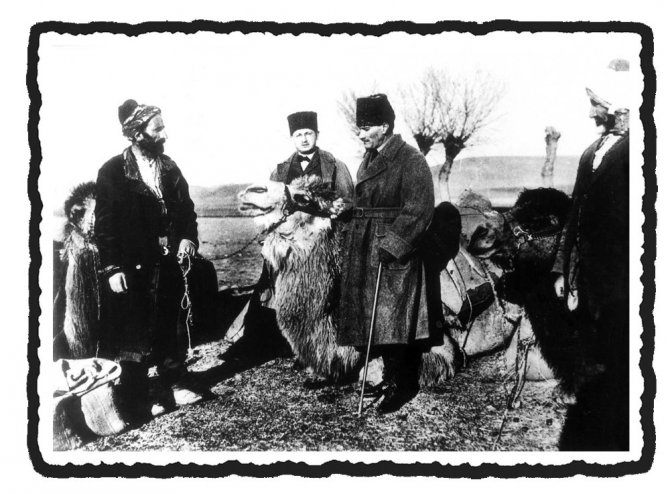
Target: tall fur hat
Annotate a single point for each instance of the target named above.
(302, 120)
(374, 110)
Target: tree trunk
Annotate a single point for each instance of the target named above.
(452, 147)
(443, 179)
(551, 137)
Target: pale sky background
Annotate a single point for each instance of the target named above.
(225, 97)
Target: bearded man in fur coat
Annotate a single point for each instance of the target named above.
(393, 205)
(145, 219)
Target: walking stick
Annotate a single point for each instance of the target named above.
(372, 327)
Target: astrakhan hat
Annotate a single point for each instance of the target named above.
(302, 120)
(374, 110)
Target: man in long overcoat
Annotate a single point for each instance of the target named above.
(593, 259)
(144, 219)
(393, 205)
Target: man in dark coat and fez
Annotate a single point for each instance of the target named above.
(593, 261)
(309, 159)
(393, 204)
(145, 219)
(261, 333)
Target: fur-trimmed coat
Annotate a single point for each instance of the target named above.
(398, 177)
(129, 222)
(333, 172)
(128, 215)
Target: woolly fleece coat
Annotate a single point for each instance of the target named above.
(398, 177)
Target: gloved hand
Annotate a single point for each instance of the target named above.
(385, 257)
(118, 283)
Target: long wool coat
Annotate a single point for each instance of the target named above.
(593, 253)
(129, 222)
(397, 178)
(333, 172)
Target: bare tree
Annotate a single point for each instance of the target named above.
(420, 112)
(347, 107)
(452, 110)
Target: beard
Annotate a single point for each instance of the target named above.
(150, 146)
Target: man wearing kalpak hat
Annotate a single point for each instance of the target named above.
(309, 159)
(592, 266)
(144, 219)
(261, 333)
(393, 205)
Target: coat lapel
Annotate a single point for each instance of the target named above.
(606, 162)
(327, 167)
(132, 174)
(282, 169)
(380, 163)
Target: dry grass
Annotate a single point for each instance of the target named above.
(267, 408)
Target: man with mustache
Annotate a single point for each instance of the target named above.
(145, 221)
(393, 205)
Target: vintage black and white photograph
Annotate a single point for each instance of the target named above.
(260, 245)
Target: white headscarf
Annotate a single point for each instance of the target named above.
(613, 85)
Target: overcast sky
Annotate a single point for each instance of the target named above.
(225, 97)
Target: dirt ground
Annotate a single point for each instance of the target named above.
(265, 406)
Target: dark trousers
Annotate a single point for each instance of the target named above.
(145, 324)
(599, 421)
(401, 364)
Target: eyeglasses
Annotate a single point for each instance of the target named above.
(306, 133)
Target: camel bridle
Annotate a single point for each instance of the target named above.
(525, 235)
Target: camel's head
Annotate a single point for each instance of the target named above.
(80, 209)
(525, 235)
(271, 202)
(293, 215)
(478, 216)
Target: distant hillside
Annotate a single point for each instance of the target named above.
(216, 201)
(501, 178)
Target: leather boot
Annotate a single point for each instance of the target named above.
(401, 378)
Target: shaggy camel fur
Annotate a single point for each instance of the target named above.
(302, 250)
(82, 295)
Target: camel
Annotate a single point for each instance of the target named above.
(301, 250)
(80, 290)
(527, 241)
(523, 243)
